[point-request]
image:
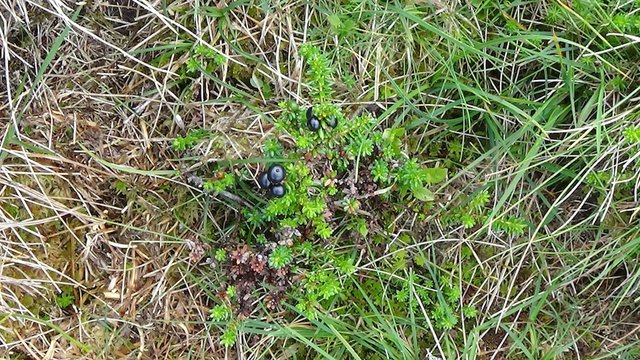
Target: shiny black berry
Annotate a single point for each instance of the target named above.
(277, 190)
(313, 124)
(276, 173)
(263, 181)
(332, 121)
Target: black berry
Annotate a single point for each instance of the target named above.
(277, 190)
(276, 174)
(313, 124)
(312, 121)
(263, 181)
(332, 121)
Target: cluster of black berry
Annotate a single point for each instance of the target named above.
(313, 123)
(272, 179)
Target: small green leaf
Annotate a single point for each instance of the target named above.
(228, 337)
(256, 81)
(64, 300)
(420, 260)
(215, 12)
(192, 65)
(219, 312)
(422, 193)
(434, 175)
(393, 133)
(335, 21)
